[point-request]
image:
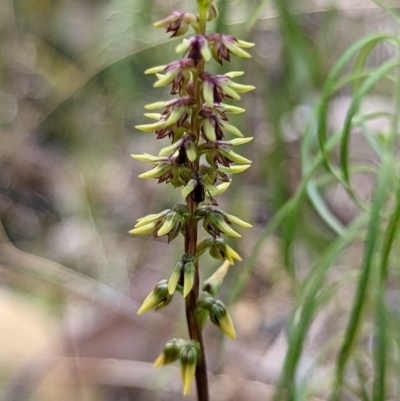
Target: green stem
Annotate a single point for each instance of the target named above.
(191, 301)
(195, 330)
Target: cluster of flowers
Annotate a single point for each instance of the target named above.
(199, 160)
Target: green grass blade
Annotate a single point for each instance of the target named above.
(361, 93)
(303, 314)
(381, 311)
(330, 87)
(323, 210)
(288, 207)
(359, 303)
(256, 14)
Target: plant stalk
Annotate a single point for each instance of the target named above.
(191, 301)
(195, 331)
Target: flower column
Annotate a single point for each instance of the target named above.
(198, 158)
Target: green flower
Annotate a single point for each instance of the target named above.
(184, 272)
(188, 358)
(157, 299)
(214, 282)
(170, 352)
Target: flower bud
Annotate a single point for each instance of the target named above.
(203, 245)
(145, 157)
(157, 171)
(176, 22)
(214, 282)
(232, 129)
(233, 169)
(151, 218)
(239, 141)
(209, 130)
(232, 109)
(158, 298)
(170, 353)
(188, 277)
(155, 70)
(231, 155)
(184, 274)
(220, 189)
(220, 317)
(219, 249)
(191, 150)
(145, 229)
(189, 187)
(175, 277)
(212, 12)
(168, 224)
(151, 127)
(188, 358)
(233, 219)
(218, 221)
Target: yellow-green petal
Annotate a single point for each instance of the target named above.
(173, 280)
(145, 157)
(160, 361)
(231, 254)
(155, 70)
(183, 46)
(236, 50)
(188, 278)
(239, 88)
(208, 93)
(220, 189)
(231, 155)
(234, 74)
(232, 109)
(240, 141)
(232, 129)
(146, 229)
(209, 130)
(150, 218)
(168, 225)
(189, 187)
(233, 169)
(153, 116)
(223, 226)
(156, 172)
(170, 149)
(156, 105)
(237, 221)
(166, 79)
(226, 325)
(150, 127)
(243, 43)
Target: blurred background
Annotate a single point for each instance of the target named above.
(71, 278)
